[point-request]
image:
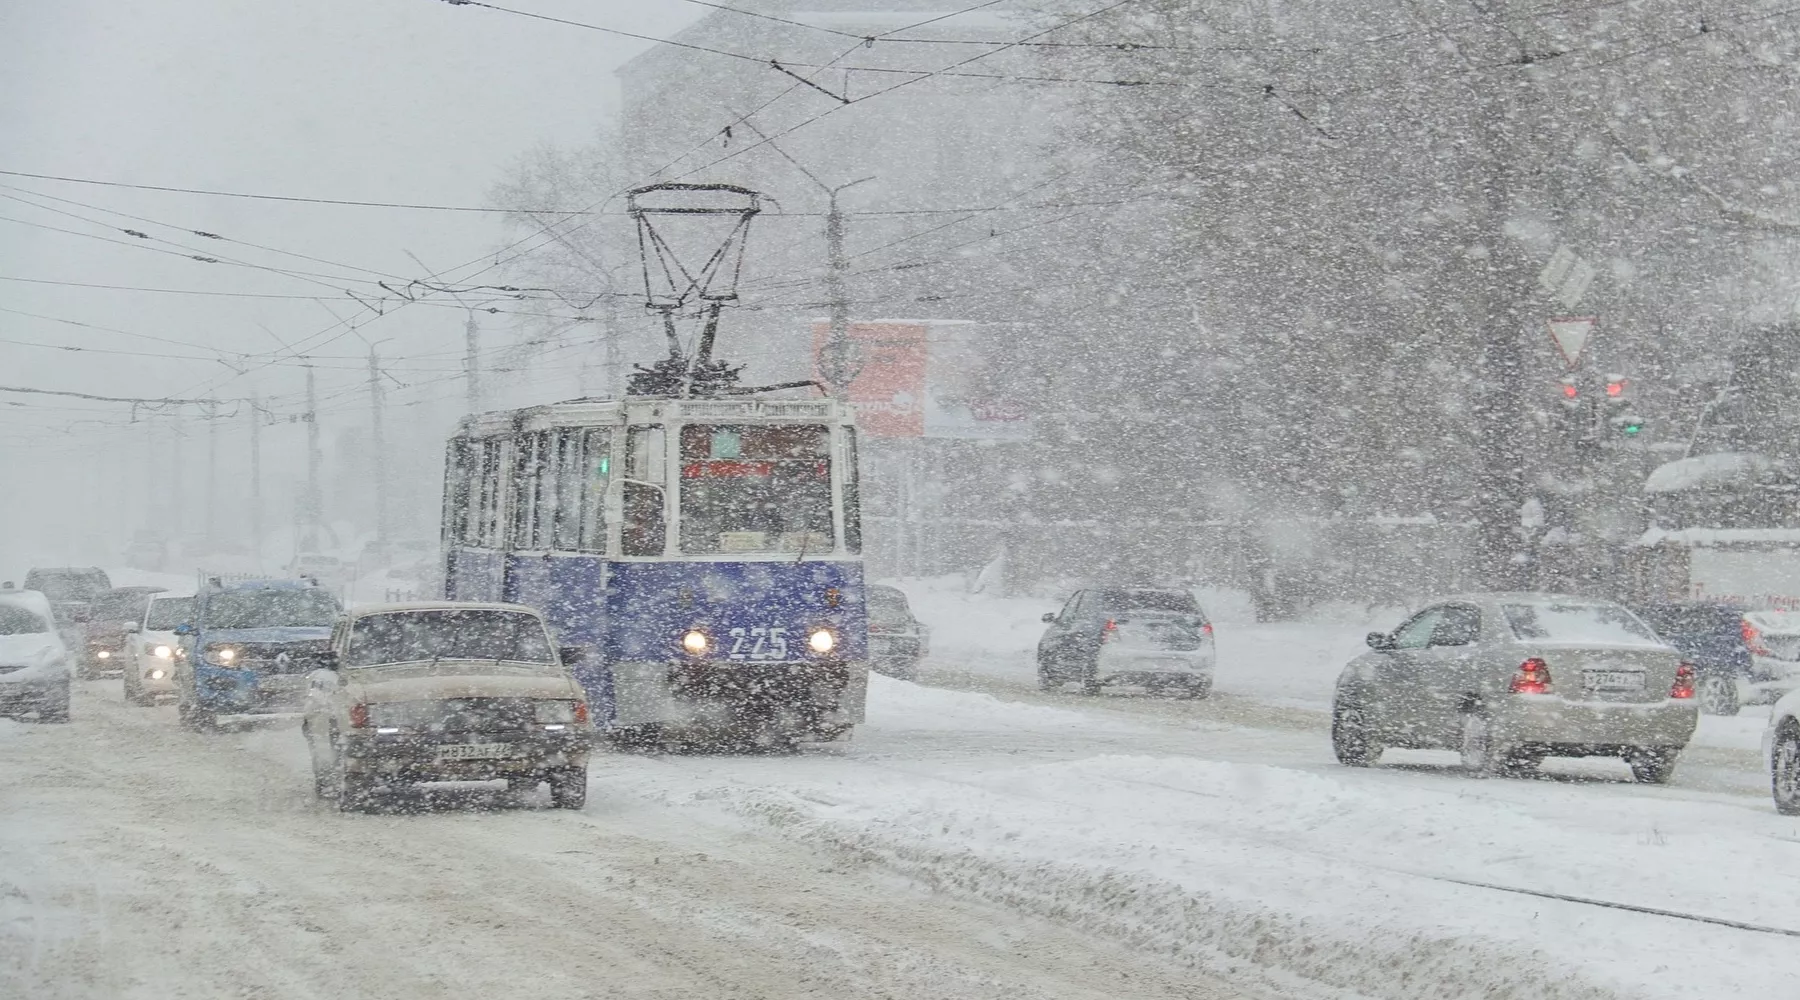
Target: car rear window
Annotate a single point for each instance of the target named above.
(1149, 600)
(1578, 622)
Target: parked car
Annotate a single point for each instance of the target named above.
(897, 639)
(1159, 639)
(70, 591)
(249, 647)
(152, 648)
(1711, 637)
(34, 662)
(1773, 638)
(1509, 679)
(446, 691)
(1781, 751)
(103, 634)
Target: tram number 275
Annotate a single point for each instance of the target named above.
(759, 644)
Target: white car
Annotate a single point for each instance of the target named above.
(1781, 750)
(34, 661)
(445, 691)
(152, 649)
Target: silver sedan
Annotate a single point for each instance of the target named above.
(1509, 679)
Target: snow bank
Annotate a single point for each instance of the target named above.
(1726, 468)
(1299, 878)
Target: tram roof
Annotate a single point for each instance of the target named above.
(605, 412)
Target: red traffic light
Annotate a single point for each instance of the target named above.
(1569, 390)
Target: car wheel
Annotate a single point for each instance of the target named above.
(1784, 770)
(1482, 756)
(568, 788)
(1653, 765)
(1718, 695)
(1351, 740)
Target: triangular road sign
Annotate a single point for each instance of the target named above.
(1571, 336)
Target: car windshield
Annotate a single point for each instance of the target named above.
(168, 612)
(450, 634)
(1599, 624)
(887, 606)
(289, 608)
(116, 607)
(749, 488)
(15, 620)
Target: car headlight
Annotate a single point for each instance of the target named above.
(104, 654)
(222, 656)
(695, 642)
(158, 674)
(821, 641)
(162, 652)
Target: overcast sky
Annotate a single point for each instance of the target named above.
(381, 100)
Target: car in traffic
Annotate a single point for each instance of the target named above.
(1781, 752)
(71, 590)
(446, 691)
(898, 640)
(1158, 639)
(109, 621)
(34, 662)
(249, 647)
(1509, 679)
(1711, 636)
(1773, 639)
(152, 647)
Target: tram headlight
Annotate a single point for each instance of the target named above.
(695, 642)
(821, 641)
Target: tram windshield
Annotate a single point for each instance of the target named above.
(755, 488)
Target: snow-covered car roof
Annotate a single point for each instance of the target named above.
(365, 610)
(31, 600)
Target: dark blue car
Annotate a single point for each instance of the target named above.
(250, 646)
(1711, 637)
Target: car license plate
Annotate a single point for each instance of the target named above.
(475, 751)
(1613, 680)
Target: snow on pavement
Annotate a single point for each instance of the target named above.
(1332, 878)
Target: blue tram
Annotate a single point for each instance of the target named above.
(705, 554)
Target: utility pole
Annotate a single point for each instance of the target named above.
(312, 504)
(256, 507)
(379, 451)
(177, 431)
(212, 475)
(472, 362)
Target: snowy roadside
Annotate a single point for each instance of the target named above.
(1284, 875)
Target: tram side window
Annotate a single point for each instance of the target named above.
(756, 488)
(645, 529)
(852, 494)
(527, 476)
(456, 491)
(481, 520)
(575, 503)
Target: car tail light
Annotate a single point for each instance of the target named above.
(581, 712)
(1753, 639)
(359, 715)
(1533, 678)
(1684, 682)
(1110, 629)
(1206, 629)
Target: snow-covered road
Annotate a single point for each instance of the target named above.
(977, 839)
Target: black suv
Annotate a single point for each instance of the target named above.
(1711, 637)
(71, 590)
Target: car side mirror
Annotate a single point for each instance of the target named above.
(185, 628)
(571, 655)
(1380, 640)
(1049, 617)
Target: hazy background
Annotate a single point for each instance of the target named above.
(378, 100)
